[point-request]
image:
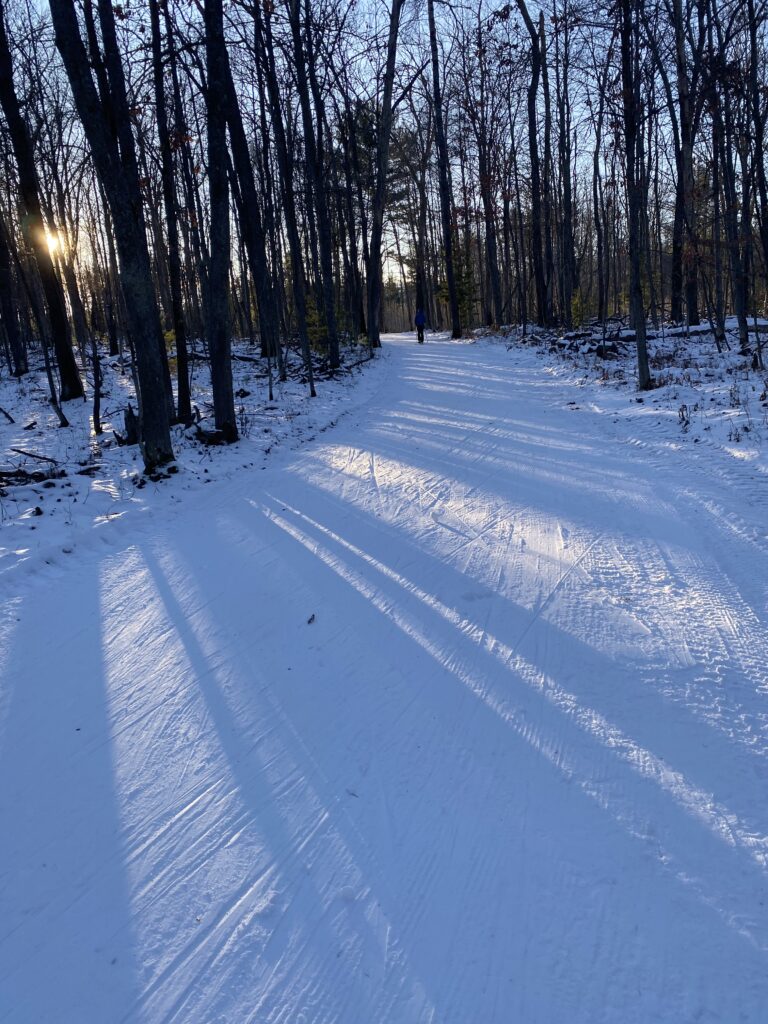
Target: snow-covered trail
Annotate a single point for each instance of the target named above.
(460, 714)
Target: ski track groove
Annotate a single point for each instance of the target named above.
(514, 768)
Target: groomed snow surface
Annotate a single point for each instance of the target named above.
(457, 712)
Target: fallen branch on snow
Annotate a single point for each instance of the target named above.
(32, 455)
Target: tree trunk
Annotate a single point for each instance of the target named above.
(630, 88)
(689, 254)
(567, 257)
(217, 312)
(443, 167)
(116, 167)
(251, 223)
(34, 227)
(384, 130)
(8, 315)
(546, 191)
(184, 406)
(265, 47)
(533, 149)
(306, 77)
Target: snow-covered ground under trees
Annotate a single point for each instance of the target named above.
(457, 712)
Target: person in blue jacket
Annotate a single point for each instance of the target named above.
(420, 319)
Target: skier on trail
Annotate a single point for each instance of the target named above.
(420, 319)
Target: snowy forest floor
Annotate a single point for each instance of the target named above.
(455, 712)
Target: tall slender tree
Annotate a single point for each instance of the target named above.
(218, 325)
(106, 121)
(35, 230)
(443, 170)
(383, 137)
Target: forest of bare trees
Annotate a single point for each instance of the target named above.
(307, 173)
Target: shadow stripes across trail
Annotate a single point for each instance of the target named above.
(458, 714)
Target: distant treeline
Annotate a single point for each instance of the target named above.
(311, 172)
